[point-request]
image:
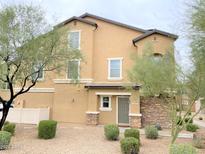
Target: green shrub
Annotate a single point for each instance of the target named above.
(5, 138)
(198, 142)
(182, 149)
(130, 145)
(191, 127)
(133, 132)
(111, 132)
(151, 132)
(47, 129)
(10, 127)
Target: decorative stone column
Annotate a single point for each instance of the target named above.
(135, 120)
(135, 115)
(92, 118)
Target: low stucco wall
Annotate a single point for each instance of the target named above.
(27, 115)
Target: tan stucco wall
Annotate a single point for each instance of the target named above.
(70, 103)
(108, 117)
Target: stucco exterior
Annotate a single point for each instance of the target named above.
(73, 102)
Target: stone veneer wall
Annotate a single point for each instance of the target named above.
(92, 118)
(135, 121)
(153, 111)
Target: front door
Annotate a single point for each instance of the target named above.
(123, 110)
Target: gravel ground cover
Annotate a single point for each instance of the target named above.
(78, 139)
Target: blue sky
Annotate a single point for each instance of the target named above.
(167, 15)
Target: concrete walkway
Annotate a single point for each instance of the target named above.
(164, 133)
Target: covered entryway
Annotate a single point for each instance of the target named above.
(110, 103)
(123, 110)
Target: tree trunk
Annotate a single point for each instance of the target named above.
(4, 115)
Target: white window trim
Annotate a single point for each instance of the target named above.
(101, 104)
(115, 78)
(79, 47)
(78, 60)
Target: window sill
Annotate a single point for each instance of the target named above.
(112, 79)
(105, 109)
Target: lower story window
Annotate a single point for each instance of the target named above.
(105, 103)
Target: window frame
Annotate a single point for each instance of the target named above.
(79, 39)
(109, 68)
(78, 60)
(109, 108)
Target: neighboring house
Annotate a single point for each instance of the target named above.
(101, 97)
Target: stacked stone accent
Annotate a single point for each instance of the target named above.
(135, 121)
(92, 118)
(154, 110)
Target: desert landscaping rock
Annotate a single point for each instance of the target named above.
(78, 139)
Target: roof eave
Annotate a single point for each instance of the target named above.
(112, 22)
(78, 19)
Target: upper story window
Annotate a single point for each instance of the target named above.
(115, 68)
(74, 39)
(39, 74)
(105, 103)
(73, 69)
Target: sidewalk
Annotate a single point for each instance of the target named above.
(164, 133)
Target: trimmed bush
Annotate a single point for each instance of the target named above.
(130, 145)
(191, 127)
(47, 129)
(133, 132)
(10, 127)
(182, 149)
(111, 132)
(151, 132)
(5, 138)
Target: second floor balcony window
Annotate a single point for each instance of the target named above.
(73, 69)
(74, 39)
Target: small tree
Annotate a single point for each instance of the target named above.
(28, 47)
(161, 76)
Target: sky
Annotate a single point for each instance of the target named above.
(167, 15)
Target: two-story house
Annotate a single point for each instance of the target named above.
(101, 97)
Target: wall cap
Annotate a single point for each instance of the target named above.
(92, 112)
(135, 114)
